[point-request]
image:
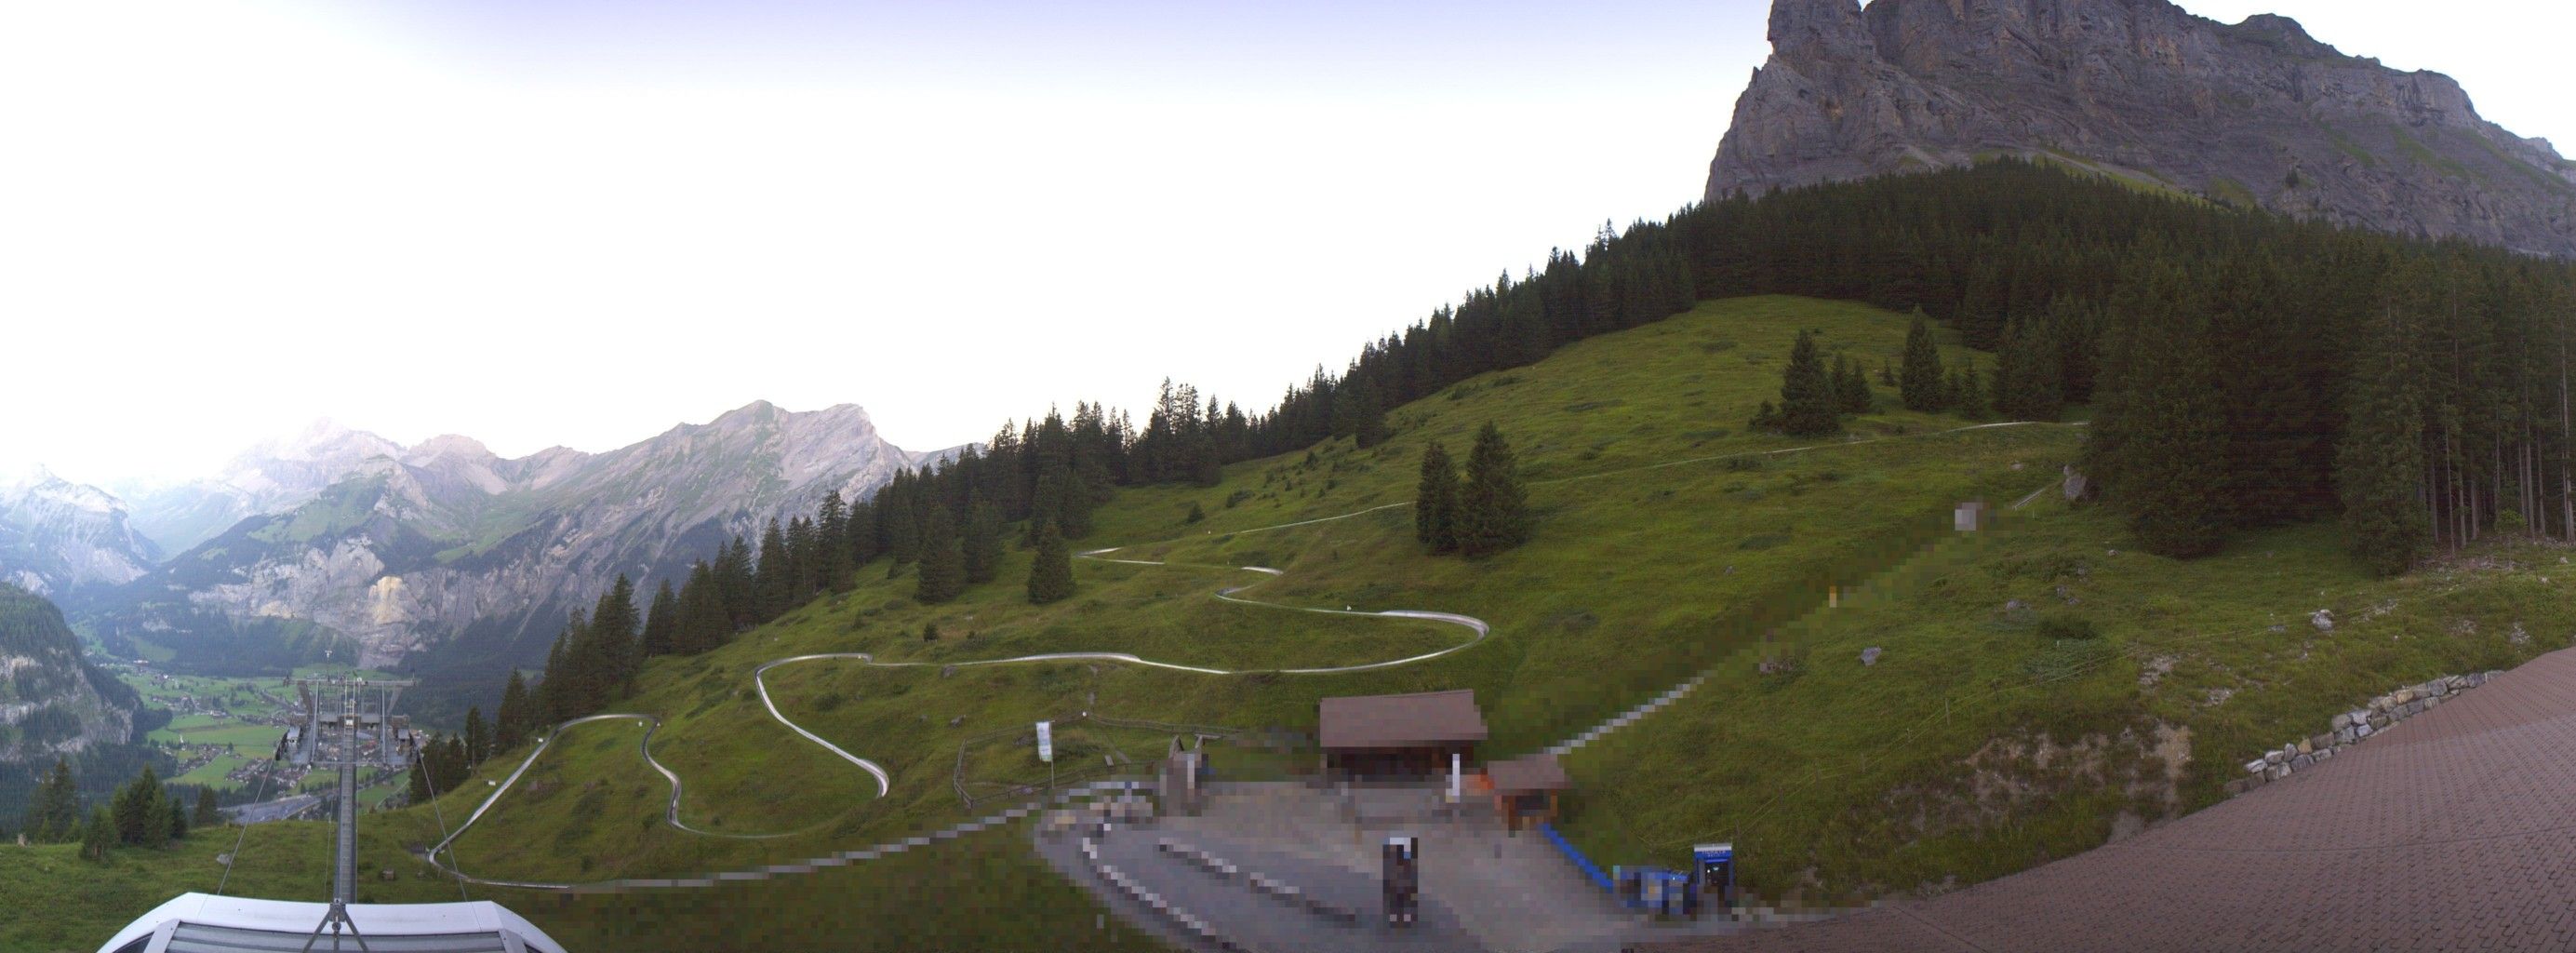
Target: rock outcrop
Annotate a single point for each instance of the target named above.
(2256, 113)
(52, 701)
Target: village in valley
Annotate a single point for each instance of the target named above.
(222, 731)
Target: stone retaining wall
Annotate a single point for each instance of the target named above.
(2351, 727)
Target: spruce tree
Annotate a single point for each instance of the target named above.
(943, 562)
(805, 562)
(775, 576)
(1435, 501)
(619, 656)
(736, 588)
(2173, 477)
(208, 813)
(702, 624)
(176, 822)
(57, 807)
(477, 743)
(2381, 456)
(662, 622)
(1073, 511)
(1806, 393)
(1851, 388)
(1051, 576)
(416, 790)
(141, 817)
(1922, 385)
(98, 835)
(835, 564)
(983, 544)
(1493, 515)
(903, 533)
(2027, 377)
(511, 725)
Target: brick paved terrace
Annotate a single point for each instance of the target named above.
(2455, 830)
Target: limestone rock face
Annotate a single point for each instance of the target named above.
(2252, 113)
(53, 702)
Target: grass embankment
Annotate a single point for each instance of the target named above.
(1981, 742)
(57, 901)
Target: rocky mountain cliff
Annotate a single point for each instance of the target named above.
(52, 701)
(271, 477)
(57, 536)
(2255, 113)
(448, 545)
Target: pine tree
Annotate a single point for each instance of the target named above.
(1493, 515)
(1968, 393)
(1806, 393)
(2172, 431)
(2381, 456)
(416, 791)
(1073, 512)
(141, 816)
(56, 810)
(943, 562)
(983, 544)
(1921, 383)
(477, 743)
(832, 530)
(619, 656)
(738, 585)
(2027, 376)
(208, 813)
(177, 824)
(565, 686)
(903, 532)
(775, 576)
(662, 622)
(511, 726)
(1435, 501)
(98, 835)
(1051, 576)
(702, 625)
(1851, 388)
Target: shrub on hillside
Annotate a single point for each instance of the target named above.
(2063, 627)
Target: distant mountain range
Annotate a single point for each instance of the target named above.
(436, 558)
(2257, 113)
(57, 536)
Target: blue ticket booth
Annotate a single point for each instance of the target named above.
(1713, 876)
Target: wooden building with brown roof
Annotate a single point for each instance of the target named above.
(1398, 737)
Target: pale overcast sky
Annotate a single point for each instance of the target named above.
(579, 223)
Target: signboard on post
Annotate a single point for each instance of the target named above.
(1046, 742)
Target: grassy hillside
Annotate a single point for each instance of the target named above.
(1982, 741)
(1670, 541)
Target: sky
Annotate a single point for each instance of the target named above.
(579, 223)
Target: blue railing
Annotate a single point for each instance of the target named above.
(1581, 862)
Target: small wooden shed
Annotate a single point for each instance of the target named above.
(1398, 737)
(1525, 789)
